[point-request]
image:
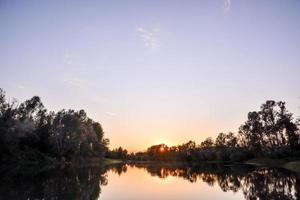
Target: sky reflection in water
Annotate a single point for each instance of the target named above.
(154, 182)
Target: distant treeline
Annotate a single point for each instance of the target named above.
(271, 132)
(31, 134)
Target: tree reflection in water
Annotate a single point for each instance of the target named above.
(85, 183)
(255, 183)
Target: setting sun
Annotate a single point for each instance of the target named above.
(161, 149)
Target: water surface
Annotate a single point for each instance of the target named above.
(156, 181)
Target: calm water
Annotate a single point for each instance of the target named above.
(154, 182)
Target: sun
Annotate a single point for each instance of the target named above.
(162, 149)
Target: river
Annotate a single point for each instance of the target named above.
(153, 181)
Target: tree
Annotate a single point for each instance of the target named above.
(226, 141)
(118, 153)
(221, 141)
(271, 127)
(231, 140)
(207, 143)
(251, 132)
(28, 131)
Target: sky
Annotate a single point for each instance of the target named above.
(153, 72)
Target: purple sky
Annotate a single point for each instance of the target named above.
(153, 71)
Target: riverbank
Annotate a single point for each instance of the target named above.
(108, 161)
(32, 168)
(289, 164)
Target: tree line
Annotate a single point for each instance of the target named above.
(29, 133)
(271, 132)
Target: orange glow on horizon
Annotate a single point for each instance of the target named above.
(137, 139)
(162, 149)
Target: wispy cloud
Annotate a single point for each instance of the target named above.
(75, 82)
(111, 114)
(227, 5)
(21, 87)
(149, 37)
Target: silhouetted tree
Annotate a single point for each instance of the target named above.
(118, 153)
(29, 133)
(207, 143)
(270, 128)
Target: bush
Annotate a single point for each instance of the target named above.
(239, 156)
(222, 156)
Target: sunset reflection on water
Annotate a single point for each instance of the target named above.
(136, 183)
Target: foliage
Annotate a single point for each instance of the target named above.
(270, 132)
(118, 153)
(28, 132)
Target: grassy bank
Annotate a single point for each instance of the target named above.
(289, 164)
(108, 161)
(28, 167)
